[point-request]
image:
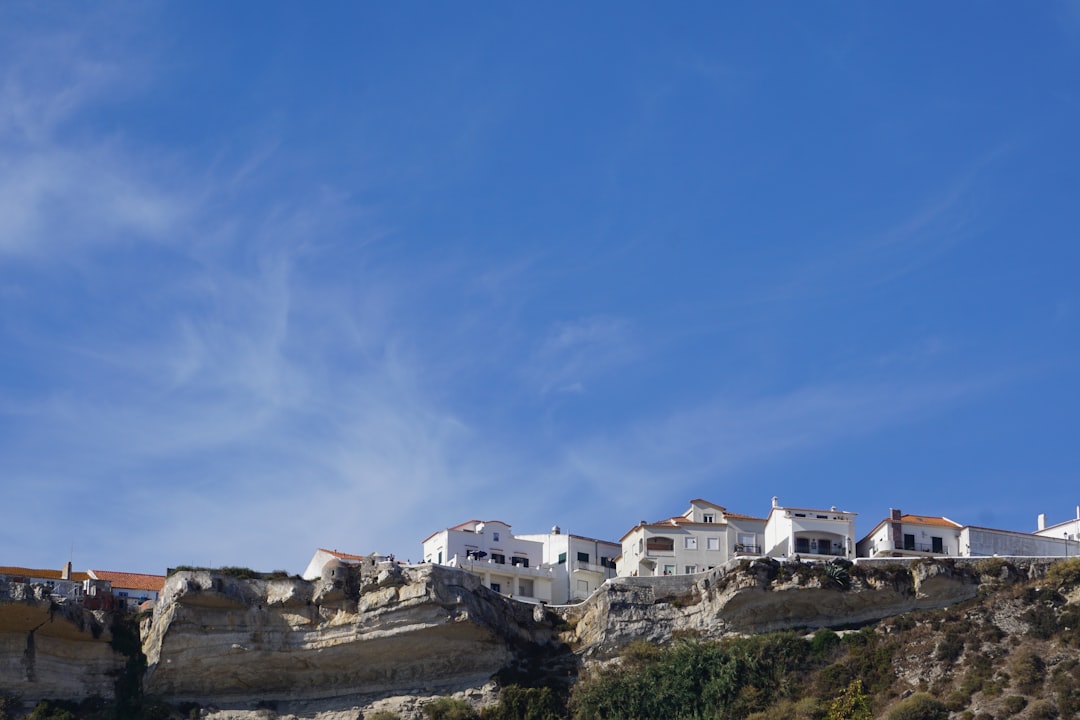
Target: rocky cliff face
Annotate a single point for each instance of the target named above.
(415, 630)
(52, 651)
(754, 596)
(362, 637)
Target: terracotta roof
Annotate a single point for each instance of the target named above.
(341, 555)
(42, 574)
(131, 581)
(929, 520)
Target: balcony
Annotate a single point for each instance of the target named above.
(579, 566)
(487, 565)
(744, 549)
(924, 548)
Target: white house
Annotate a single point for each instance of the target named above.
(810, 534)
(579, 564)
(322, 556)
(131, 590)
(1068, 530)
(509, 565)
(901, 535)
(703, 537)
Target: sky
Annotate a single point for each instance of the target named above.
(276, 277)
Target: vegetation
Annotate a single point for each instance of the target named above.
(446, 708)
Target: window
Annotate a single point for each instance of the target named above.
(909, 542)
(583, 557)
(498, 559)
(713, 543)
(440, 557)
(802, 545)
(522, 561)
(525, 587)
(936, 545)
(639, 545)
(495, 536)
(708, 517)
(690, 543)
(607, 562)
(691, 569)
(661, 544)
(496, 587)
(562, 558)
(669, 569)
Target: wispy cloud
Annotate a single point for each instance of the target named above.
(573, 352)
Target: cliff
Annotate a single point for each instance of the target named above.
(415, 630)
(363, 636)
(49, 650)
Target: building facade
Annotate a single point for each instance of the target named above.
(808, 533)
(703, 537)
(901, 535)
(507, 564)
(579, 565)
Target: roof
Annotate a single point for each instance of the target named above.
(683, 521)
(131, 581)
(42, 574)
(930, 520)
(341, 555)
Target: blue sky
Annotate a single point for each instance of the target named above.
(276, 277)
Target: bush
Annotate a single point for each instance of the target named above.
(1014, 704)
(852, 704)
(382, 715)
(1064, 574)
(520, 703)
(950, 648)
(823, 643)
(446, 708)
(9, 706)
(1028, 671)
(56, 710)
(919, 706)
(1042, 710)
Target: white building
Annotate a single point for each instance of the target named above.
(579, 564)
(1068, 530)
(322, 556)
(901, 535)
(985, 542)
(703, 537)
(810, 534)
(509, 565)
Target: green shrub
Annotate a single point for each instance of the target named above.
(949, 648)
(852, 704)
(446, 708)
(1064, 574)
(823, 643)
(9, 706)
(521, 703)
(1013, 704)
(919, 706)
(52, 710)
(1042, 710)
(1028, 671)
(382, 715)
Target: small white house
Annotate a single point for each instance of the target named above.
(901, 535)
(322, 556)
(579, 564)
(1068, 530)
(810, 534)
(509, 565)
(703, 537)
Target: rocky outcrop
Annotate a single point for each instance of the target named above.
(51, 650)
(762, 595)
(351, 637)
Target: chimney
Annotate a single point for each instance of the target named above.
(776, 503)
(556, 530)
(1042, 521)
(65, 574)
(1078, 512)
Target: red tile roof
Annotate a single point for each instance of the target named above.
(131, 581)
(341, 555)
(41, 574)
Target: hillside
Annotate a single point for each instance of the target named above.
(759, 639)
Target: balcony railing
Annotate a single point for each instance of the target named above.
(923, 547)
(487, 565)
(593, 568)
(744, 549)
